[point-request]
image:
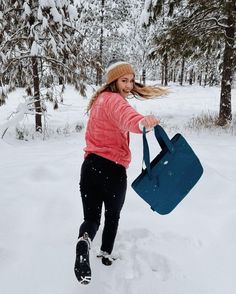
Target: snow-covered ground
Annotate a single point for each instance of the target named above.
(191, 250)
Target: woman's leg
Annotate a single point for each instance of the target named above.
(113, 199)
(91, 198)
(101, 181)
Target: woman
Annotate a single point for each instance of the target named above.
(107, 155)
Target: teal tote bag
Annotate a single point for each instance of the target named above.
(171, 175)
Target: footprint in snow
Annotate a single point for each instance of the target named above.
(138, 251)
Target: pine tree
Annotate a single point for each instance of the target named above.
(228, 26)
(215, 20)
(156, 19)
(40, 41)
(107, 28)
(197, 27)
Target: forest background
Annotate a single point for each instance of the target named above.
(47, 44)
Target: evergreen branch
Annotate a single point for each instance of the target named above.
(54, 61)
(12, 9)
(217, 22)
(12, 61)
(202, 12)
(17, 33)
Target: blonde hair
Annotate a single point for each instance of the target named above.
(148, 92)
(139, 91)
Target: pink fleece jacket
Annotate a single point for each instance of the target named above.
(110, 121)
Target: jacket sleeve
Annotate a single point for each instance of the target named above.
(123, 114)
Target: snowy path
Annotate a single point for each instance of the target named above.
(191, 250)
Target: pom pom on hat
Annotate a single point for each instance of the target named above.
(117, 70)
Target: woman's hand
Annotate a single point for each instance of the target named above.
(149, 121)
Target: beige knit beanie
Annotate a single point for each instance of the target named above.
(117, 70)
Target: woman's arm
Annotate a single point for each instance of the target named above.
(126, 117)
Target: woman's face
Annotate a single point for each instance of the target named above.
(125, 84)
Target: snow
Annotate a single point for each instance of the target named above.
(40, 14)
(191, 250)
(47, 3)
(35, 49)
(27, 9)
(56, 15)
(53, 44)
(73, 14)
(145, 15)
(44, 23)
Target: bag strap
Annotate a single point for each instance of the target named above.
(146, 153)
(163, 141)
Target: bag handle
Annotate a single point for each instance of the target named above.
(163, 140)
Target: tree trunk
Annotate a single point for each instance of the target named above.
(225, 114)
(200, 79)
(206, 75)
(99, 68)
(37, 104)
(144, 76)
(3, 95)
(162, 74)
(191, 77)
(174, 79)
(166, 69)
(171, 75)
(182, 72)
(194, 77)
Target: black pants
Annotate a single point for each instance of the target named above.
(102, 181)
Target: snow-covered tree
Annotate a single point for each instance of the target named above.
(107, 26)
(201, 30)
(155, 18)
(215, 22)
(40, 42)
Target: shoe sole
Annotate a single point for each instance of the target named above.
(82, 267)
(106, 261)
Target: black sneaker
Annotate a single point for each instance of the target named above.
(82, 267)
(106, 258)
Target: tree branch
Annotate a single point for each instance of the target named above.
(217, 22)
